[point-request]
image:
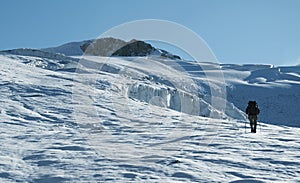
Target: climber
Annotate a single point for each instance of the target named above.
(252, 111)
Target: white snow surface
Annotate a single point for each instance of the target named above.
(97, 119)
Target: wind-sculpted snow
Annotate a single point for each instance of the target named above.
(276, 89)
(112, 120)
(37, 53)
(42, 59)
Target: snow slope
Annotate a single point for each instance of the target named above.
(139, 120)
(72, 48)
(276, 89)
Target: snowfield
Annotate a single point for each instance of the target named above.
(145, 119)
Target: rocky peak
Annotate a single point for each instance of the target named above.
(117, 47)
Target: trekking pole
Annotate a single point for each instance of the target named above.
(245, 126)
(260, 127)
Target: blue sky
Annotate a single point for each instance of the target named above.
(238, 31)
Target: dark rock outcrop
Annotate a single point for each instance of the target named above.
(103, 47)
(135, 48)
(115, 47)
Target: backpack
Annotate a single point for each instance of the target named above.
(252, 108)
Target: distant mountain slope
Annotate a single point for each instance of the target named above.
(36, 53)
(70, 49)
(110, 47)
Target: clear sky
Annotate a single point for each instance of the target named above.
(238, 31)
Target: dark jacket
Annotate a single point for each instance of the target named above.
(252, 110)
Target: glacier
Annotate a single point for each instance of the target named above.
(144, 119)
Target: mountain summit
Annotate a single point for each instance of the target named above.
(111, 47)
